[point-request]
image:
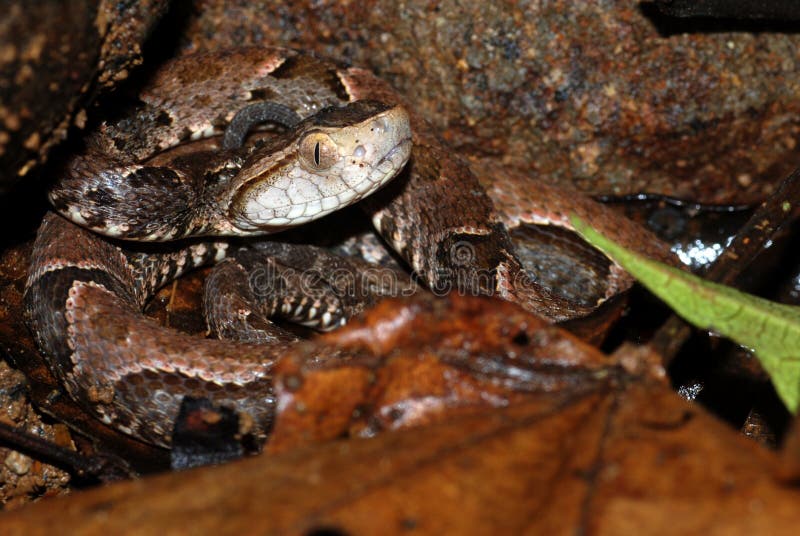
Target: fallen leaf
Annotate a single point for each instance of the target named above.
(615, 460)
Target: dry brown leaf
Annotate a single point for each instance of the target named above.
(632, 460)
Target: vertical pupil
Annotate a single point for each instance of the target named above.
(316, 153)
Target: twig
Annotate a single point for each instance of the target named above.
(104, 468)
(777, 210)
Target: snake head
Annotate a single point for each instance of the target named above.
(329, 161)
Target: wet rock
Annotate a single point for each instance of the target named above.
(609, 96)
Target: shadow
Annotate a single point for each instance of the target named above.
(668, 25)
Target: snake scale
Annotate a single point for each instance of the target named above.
(85, 291)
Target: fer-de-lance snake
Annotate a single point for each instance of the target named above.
(85, 292)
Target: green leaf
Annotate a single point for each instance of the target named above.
(771, 330)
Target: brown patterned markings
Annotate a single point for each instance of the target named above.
(144, 176)
(120, 143)
(563, 262)
(191, 72)
(99, 196)
(142, 384)
(192, 384)
(227, 66)
(185, 133)
(172, 380)
(94, 220)
(296, 67)
(137, 385)
(163, 119)
(204, 100)
(263, 94)
(153, 379)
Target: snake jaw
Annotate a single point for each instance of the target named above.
(366, 145)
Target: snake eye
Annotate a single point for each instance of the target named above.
(318, 151)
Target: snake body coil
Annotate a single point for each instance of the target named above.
(85, 294)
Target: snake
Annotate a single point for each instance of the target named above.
(169, 185)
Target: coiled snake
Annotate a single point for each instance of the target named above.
(85, 292)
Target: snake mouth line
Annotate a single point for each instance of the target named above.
(403, 150)
(402, 144)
